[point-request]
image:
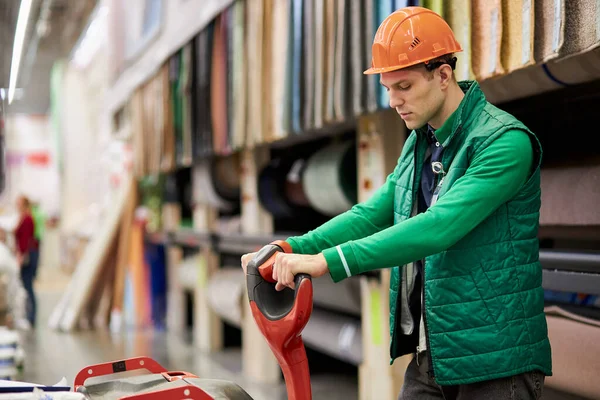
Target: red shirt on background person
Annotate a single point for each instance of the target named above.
(25, 231)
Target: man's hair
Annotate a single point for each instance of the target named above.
(449, 59)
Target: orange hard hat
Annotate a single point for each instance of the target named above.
(409, 36)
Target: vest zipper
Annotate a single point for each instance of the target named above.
(431, 371)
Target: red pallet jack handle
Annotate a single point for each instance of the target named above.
(147, 363)
(281, 316)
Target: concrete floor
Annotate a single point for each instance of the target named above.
(52, 355)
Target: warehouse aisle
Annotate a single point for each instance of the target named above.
(51, 355)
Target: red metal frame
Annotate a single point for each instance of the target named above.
(189, 392)
(109, 368)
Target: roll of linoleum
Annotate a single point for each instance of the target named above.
(216, 183)
(225, 291)
(271, 188)
(570, 195)
(342, 296)
(330, 178)
(335, 334)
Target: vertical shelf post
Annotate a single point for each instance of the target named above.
(259, 363)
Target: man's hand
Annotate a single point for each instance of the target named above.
(287, 265)
(246, 258)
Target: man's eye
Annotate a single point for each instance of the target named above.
(406, 87)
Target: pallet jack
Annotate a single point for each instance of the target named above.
(280, 316)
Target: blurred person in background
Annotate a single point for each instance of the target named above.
(26, 247)
(12, 294)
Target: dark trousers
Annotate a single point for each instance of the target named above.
(28, 275)
(418, 385)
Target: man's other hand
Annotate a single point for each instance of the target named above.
(246, 258)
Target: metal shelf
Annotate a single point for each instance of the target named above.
(569, 281)
(241, 244)
(564, 271)
(570, 261)
(192, 238)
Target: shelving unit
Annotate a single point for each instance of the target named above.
(267, 127)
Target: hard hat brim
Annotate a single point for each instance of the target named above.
(373, 70)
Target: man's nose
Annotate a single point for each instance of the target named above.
(396, 101)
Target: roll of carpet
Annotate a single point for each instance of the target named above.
(225, 173)
(207, 191)
(458, 15)
(271, 188)
(370, 28)
(343, 296)
(549, 29)
(357, 56)
(239, 75)
(334, 334)
(280, 62)
(330, 178)
(570, 195)
(575, 353)
(187, 271)
(218, 83)
(518, 34)
(225, 293)
(582, 27)
(294, 189)
(487, 38)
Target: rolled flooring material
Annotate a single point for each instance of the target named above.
(294, 189)
(487, 38)
(582, 27)
(187, 271)
(575, 353)
(330, 178)
(343, 296)
(570, 195)
(518, 34)
(226, 177)
(458, 15)
(211, 181)
(225, 293)
(549, 29)
(334, 334)
(271, 188)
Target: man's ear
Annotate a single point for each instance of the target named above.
(445, 73)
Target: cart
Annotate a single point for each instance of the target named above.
(280, 316)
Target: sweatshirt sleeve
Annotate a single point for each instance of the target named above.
(360, 221)
(495, 175)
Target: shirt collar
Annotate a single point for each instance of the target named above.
(445, 130)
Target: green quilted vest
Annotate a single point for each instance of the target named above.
(484, 309)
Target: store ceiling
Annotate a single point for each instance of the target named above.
(50, 35)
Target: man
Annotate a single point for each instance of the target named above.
(457, 222)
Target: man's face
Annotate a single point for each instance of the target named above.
(415, 94)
